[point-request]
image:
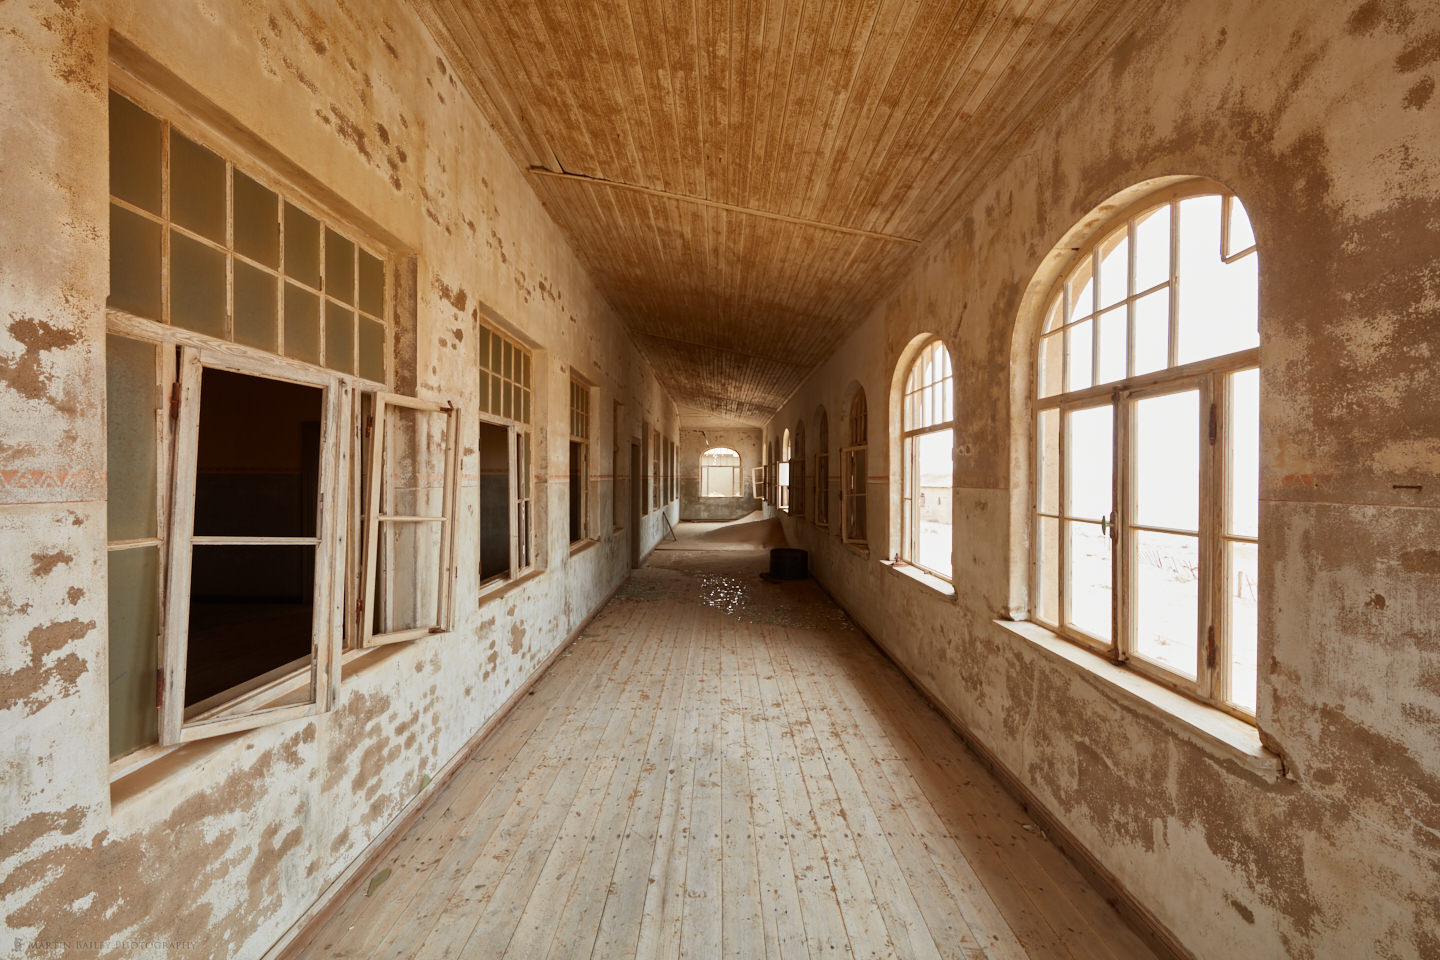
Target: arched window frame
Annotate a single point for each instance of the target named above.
(821, 512)
(924, 408)
(798, 477)
(782, 467)
(1222, 384)
(720, 469)
(854, 461)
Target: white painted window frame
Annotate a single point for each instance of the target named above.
(1210, 377)
(375, 517)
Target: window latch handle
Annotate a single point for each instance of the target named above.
(1107, 525)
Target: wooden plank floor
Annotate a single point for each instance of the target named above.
(724, 767)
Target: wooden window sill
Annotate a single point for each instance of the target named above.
(498, 588)
(580, 546)
(940, 585)
(1222, 736)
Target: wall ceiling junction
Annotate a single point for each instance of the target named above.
(745, 178)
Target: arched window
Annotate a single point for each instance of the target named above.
(797, 472)
(783, 466)
(927, 464)
(853, 464)
(720, 472)
(821, 513)
(1147, 423)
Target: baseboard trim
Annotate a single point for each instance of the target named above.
(300, 934)
(1136, 915)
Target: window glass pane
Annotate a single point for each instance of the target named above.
(1080, 357)
(407, 576)
(134, 264)
(1087, 563)
(1166, 449)
(257, 320)
(1115, 269)
(1047, 550)
(1243, 490)
(131, 402)
(302, 246)
(1089, 462)
(134, 154)
(339, 267)
(134, 626)
(1050, 368)
(1242, 234)
(495, 503)
(577, 490)
(1113, 333)
(302, 324)
(497, 386)
(197, 286)
(1152, 332)
(372, 350)
(258, 460)
(1047, 480)
(339, 337)
(257, 221)
(1218, 301)
(372, 286)
(1082, 290)
(934, 500)
(1243, 568)
(1152, 248)
(197, 188)
(250, 612)
(413, 481)
(1166, 572)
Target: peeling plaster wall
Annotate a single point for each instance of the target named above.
(694, 441)
(1321, 117)
(223, 844)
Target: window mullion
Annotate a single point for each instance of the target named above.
(1122, 597)
(1208, 669)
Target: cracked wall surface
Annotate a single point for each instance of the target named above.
(222, 844)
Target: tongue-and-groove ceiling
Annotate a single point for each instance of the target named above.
(744, 178)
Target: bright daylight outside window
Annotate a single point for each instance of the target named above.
(927, 465)
(783, 474)
(720, 473)
(1147, 422)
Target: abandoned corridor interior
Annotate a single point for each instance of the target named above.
(398, 399)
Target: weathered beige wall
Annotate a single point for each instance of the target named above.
(232, 839)
(1322, 117)
(695, 440)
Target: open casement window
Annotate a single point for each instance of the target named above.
(408, 574)
(757, 482)
(1147, 429)
(252, 534)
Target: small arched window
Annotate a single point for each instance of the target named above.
(853, 465)
(822, 469)
(783, 466)
(720, 472)
(1147, 423)
(927, 465)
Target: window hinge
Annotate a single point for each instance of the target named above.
(1210, 651)
(1214, 423)
(159, 687)
(175, 400)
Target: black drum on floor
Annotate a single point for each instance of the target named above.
(788, 563)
